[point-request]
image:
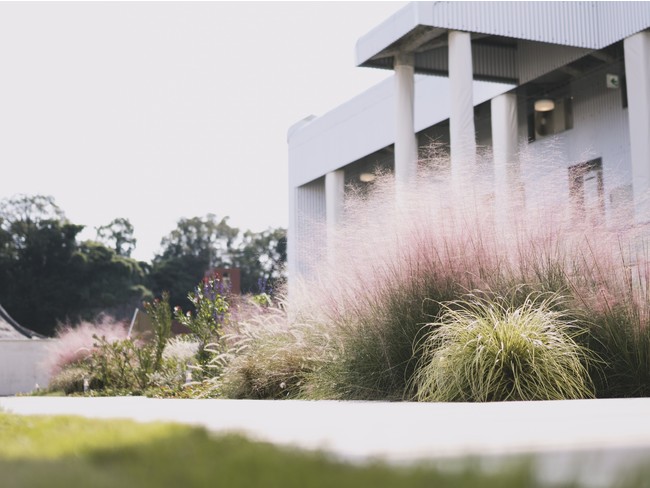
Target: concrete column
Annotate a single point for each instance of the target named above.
(637, 74)
(334, 198)
(508, 190)
(406, 145)
(306, 239)
(461, 121)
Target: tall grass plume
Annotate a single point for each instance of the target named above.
(403, 251)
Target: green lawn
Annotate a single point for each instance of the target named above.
(73, 452)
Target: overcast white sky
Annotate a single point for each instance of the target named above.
(157, 111)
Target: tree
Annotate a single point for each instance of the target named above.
(36, 284)
(195, 246)
(200, 244)
(207, 238)
(26, 208)
(118, 235)
(46, 276)
(261, 257)
(107, 282)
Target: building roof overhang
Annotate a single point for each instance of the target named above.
(497, 30)
(12, 330)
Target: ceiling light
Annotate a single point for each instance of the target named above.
(544, 105)
(367, 177)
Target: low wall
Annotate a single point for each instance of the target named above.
(21, 366)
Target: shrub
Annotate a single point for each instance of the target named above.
(70, 379)
(118, 365)
(160, 314)
(74, 344)
(122, 365)
(486, 349)
(207, 322)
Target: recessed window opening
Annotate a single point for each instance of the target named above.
(587, 192)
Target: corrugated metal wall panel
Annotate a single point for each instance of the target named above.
(434, 61)
(571, 23)
(494, 62)
(551, 34)
(525, 63)
(535, 59)
(617, 20)
(310, 225)
(489, 62)
(582, 24)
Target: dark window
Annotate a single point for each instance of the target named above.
(587, 191)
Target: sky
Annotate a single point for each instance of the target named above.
(157, 111)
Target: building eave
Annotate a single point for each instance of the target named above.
(422, 26)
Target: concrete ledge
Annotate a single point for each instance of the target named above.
(593, 442)
(394, 431)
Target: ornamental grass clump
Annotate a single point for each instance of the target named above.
(271, 356)
(397, 255)
(75, 343)
(487, 349)
(619, 311)
(403, 253)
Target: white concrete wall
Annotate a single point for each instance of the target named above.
(364, 125)
(21, 365)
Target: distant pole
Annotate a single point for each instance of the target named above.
(135, 314)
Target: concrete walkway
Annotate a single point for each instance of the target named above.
(590, 438)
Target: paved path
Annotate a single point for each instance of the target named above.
(604, 434)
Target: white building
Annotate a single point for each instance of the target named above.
(22, 353)
(573, 77)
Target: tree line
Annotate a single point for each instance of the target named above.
(49, 276)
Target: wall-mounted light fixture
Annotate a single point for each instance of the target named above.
(544, 105)
(367, 177)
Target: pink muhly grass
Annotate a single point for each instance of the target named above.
(74, 343)
(397, 257)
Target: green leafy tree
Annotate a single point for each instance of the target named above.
(27, 209)
(261, 257)
(195, 246)
(107, 281)
(118, 235)
(47, 276)
(208, 238)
